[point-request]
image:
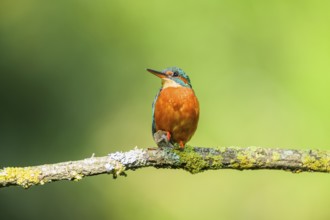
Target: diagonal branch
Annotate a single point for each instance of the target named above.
(192, 159)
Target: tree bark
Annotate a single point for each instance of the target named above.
(192, 159)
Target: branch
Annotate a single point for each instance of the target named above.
(192, 159)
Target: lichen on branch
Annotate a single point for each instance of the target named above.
(191, 159)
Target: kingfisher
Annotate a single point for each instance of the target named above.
(175, 109)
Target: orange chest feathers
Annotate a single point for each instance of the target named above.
(177, 111)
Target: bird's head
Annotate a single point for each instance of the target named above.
(172, 77)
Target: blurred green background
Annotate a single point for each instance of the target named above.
(73, 83)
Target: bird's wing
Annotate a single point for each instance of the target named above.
(153, 112)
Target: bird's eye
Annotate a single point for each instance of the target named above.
(175, 74)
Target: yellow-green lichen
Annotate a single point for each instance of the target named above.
(119, 170)
(76, 176)
(276, 156)
(24, 177)
(194, 162)
(243, 161)
(216, 161)
(316, 163)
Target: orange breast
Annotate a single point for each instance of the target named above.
(177, 111)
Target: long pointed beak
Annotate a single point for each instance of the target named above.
(157, 73)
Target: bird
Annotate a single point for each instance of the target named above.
(175, 108)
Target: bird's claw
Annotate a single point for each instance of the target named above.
(162, 139)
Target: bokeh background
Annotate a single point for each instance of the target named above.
(73, 83)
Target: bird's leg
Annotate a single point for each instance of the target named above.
(162, 139)
(181, 144)
(168, 135)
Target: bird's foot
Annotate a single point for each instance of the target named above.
(162, 139)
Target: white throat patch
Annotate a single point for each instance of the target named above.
(169, 83)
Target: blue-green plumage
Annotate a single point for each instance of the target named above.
(180, 73)
(153, 128)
